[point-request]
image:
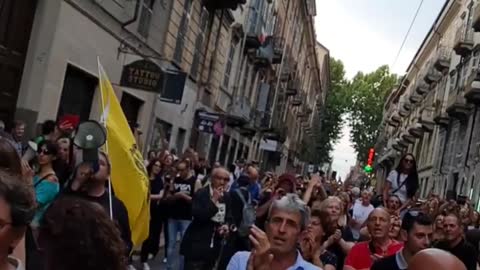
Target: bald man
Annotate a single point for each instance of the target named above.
(437, 259)
(363, 254)
(254, 187)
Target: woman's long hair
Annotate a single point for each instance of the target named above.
(9, 158)
(412, 178)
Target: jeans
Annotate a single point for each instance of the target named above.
(174, 227)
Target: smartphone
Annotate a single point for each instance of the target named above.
(71, 119)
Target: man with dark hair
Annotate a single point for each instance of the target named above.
(417, 230)
(17, 132)
(455, 243)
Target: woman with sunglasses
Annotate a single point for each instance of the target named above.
(403, 182)
(46, 187)
(151, 245)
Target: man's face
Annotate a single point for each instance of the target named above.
(419, 238)
(378, 223)
(393, 203)
(220, 178)
(366, 197)
(252, 174)
(19, 131)
(283, 230)
(452, 229)
(182, 170)
(439, 222)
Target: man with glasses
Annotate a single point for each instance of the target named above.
(417, 230)
(364, 254)
(455, 243)
(210, 225)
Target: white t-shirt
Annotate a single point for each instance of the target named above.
(360, 215)
(402, 192)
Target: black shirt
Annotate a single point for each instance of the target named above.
(336, 249)
(180, 208)
(387, 263)
(464, 251)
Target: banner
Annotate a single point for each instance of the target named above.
(128, 176)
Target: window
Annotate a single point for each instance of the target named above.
(181, 139)
(146, 13)
(199, 44)
(77, 94)
(131, 107)
(182, 31)
(228, 67)
(453, 82)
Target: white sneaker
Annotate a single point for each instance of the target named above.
(146, 266)
(131, 267)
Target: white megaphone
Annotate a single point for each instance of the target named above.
(31, 152)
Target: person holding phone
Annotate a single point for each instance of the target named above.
(403, 182)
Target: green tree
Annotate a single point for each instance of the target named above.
(335, 107)
(367, 94)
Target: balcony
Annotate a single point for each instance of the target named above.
(239, 113)
(472, 89)
(426, 119)
(432, 75)
(457, 106)
(394, 120)
(278, 45)
(415, 99)
(298, 100)
(405, 109)
(402, 142)
(440, 116)
(422, 88)
(223, 4)
(463, 44)
(443, 58)
(408, 138)
(416, 130)
(476, 18)
(264, 54)
(292, 88)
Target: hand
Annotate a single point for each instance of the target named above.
(315, 181)
(180, 195)
(84, 172)
(223, 230)
(337, 235)
(260, 258)
(27, 171)
(217, 194)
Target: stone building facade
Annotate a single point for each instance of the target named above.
(254, 66)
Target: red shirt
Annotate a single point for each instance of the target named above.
(359, 257)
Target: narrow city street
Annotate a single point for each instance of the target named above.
(254, 134)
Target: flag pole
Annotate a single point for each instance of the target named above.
(104, 122)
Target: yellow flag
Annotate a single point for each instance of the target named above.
(129, 176)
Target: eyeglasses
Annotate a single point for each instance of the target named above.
(43, 151)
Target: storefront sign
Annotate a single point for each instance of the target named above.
(148, 76)
(143, 74)
(209, 123)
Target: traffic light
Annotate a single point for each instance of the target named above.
(371, 155)
(368, 169)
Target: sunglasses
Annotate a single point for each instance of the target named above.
(409, 161)
(43, 151)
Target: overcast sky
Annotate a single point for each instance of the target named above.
(366, 34)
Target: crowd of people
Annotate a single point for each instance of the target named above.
(57, 214)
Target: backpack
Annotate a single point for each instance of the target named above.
(248, 214)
